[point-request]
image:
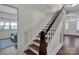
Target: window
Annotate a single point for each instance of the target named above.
(77, 24)
(1, 25)
(13, 25)
(66, 26)
(6, 25)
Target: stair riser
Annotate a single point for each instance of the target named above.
(34, 50)
(37, 44)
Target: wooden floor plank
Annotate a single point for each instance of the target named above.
(71, 46)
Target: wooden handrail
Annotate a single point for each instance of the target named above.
(53, 21)
(43, 44)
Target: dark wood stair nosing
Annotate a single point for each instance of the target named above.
(29, 52)
(37, 41)
(34, 47)
(38, 36)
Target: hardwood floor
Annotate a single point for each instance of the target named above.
(71, 46)
(9, 51)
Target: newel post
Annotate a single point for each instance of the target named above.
(43, 44)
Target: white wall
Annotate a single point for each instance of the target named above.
(7, 16)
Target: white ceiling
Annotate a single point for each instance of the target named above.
(8, 13)
(72, 9)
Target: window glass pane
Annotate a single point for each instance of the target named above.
(1, 25)
(77, 25)
(6, 25)
(66, 27)
(13, 25)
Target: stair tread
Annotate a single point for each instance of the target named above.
(45, 29)
(34, 47)
(37, 41)
(38, 36)
(29, 52)
(46, 26)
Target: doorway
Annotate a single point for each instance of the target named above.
(8, 30)
(71, 36)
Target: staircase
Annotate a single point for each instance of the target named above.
(34, 48)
